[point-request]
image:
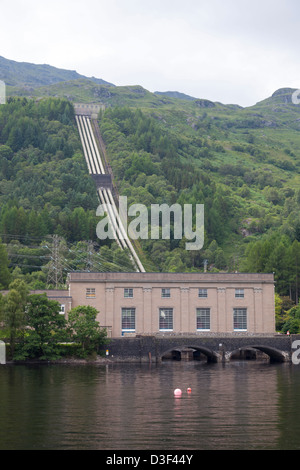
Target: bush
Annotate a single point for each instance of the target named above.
(85, 330)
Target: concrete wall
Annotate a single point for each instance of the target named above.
(88, 109)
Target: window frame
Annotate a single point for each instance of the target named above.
(239, 293)
(240, 319)
(131, 322)
(207, 312)
(166, 293)
(128, 293)
(202, 293)
(169, 319)
(90, 293)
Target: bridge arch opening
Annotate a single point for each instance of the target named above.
(193, 352)
(256, 352)
(190, 353)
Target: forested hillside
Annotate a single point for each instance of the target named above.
(242, 164)
(45, 190)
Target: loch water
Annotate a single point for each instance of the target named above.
(241, 405)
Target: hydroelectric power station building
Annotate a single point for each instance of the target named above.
(144, 303)
(179, 303)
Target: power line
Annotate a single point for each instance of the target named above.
(24, 265)
(23, 237)
(18, 255)
(84, 259)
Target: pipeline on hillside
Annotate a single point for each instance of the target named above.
(96, 166)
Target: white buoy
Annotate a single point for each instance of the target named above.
(177, 392)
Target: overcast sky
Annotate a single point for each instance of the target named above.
(232, 51)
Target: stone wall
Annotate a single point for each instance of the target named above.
(218, 348)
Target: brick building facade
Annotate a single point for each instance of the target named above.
(151, 303)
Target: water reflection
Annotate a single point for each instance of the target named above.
(240, 405)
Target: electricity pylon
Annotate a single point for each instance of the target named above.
(55, 267)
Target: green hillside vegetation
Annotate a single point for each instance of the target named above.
(28, 76)
(45, 190)
(241, 163)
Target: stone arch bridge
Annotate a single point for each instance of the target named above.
(216, 348)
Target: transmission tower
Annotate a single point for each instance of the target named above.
(55, 267)
(90, 256)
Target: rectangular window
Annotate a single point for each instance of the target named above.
(128, 293)
(165, 293)
(90, 293)
(166, 319)
(62, 309)
(203, 318)
(239, 293)
(128, 319)
(240, 319)
(202, 293)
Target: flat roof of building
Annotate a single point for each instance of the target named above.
(170, 277)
